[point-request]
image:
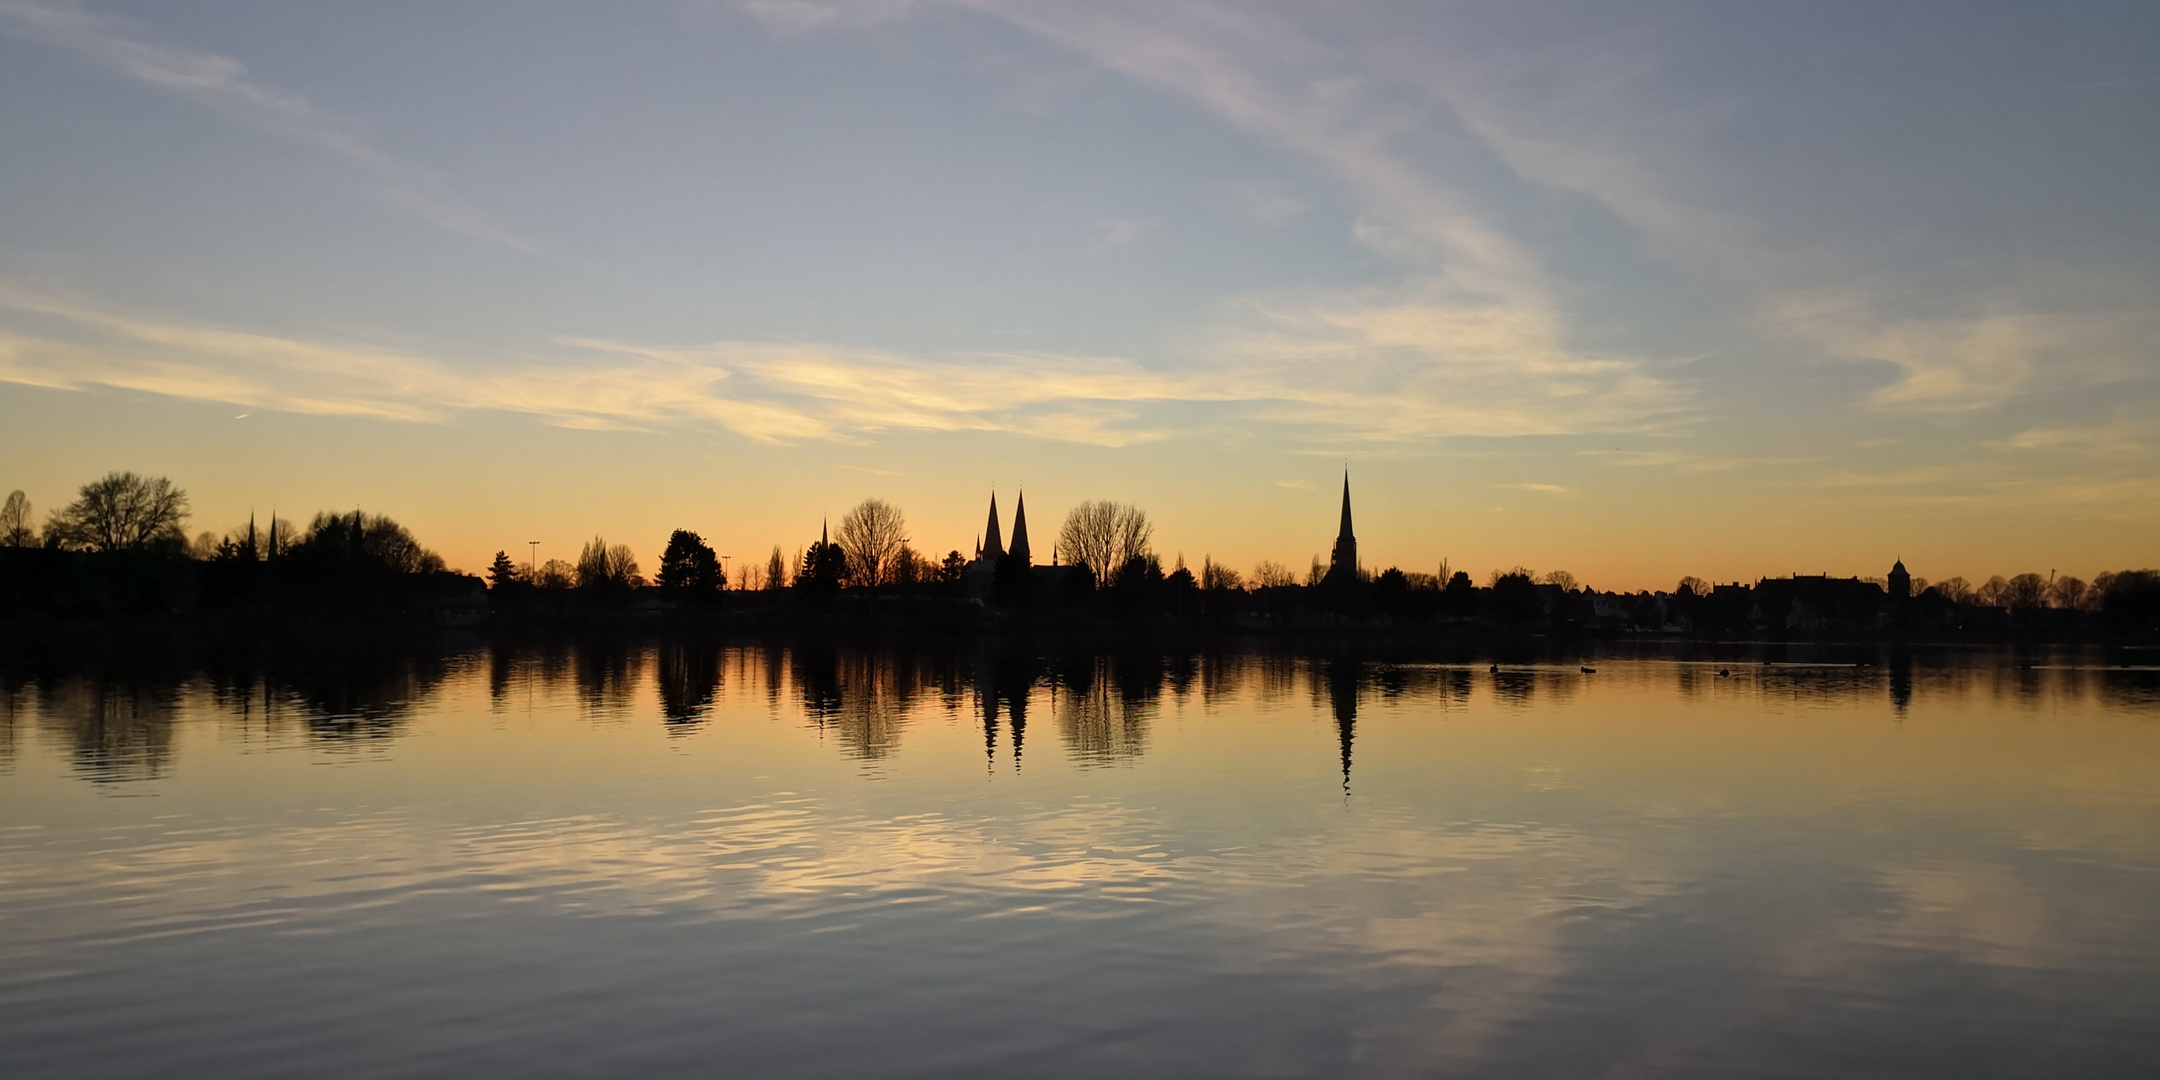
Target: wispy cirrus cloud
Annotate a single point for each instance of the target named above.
(1417, 376)
(1462, 283)
(1112, 233)
(222, 83)
(773, 392)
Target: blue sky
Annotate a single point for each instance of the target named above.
(1635, 290)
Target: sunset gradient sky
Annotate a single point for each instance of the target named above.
(1635, 290)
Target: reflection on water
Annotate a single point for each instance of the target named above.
(687, 857)
(119, 727)
(1104, 705)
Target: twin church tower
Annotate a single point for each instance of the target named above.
(1342, 563)
(992, 547)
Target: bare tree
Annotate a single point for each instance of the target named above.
(16, 529)
(2069, 593)
(601, 564)
(2025, 591)
(555, 574)
(1694, 585)
(1216, 576)
(1271, 574)
(871, 535)
(1995, 593)
(908, 568)
(1956, 590)
(1103, 536)
(1562, 578)
(776, 570)
(122, 512)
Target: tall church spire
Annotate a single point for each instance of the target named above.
(1346, 533)
(1343, 564)
(993, 545)
(1020, 543)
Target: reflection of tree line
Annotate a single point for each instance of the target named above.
(119, 725)
(864, 698)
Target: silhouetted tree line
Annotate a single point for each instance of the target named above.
(121, 548)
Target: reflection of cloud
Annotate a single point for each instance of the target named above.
(222, 83)
(1978, 912)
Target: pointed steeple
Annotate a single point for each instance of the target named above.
(1343, 564)
(1020, 541)
(1347, 533)
(993, 545)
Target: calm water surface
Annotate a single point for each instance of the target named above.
(695, 860)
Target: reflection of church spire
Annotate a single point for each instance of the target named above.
(1342, 695)
(1016, 708)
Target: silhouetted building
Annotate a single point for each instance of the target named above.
(992, 547)
(1343, 563)
(1816, 602)
(1019, 549)
(982, 570)
(1900, 583)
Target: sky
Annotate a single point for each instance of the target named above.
(1634, 290)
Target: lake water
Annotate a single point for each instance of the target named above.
(767, 862)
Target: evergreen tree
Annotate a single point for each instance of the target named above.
(689, 566)
(502, 572)
(824, 565)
